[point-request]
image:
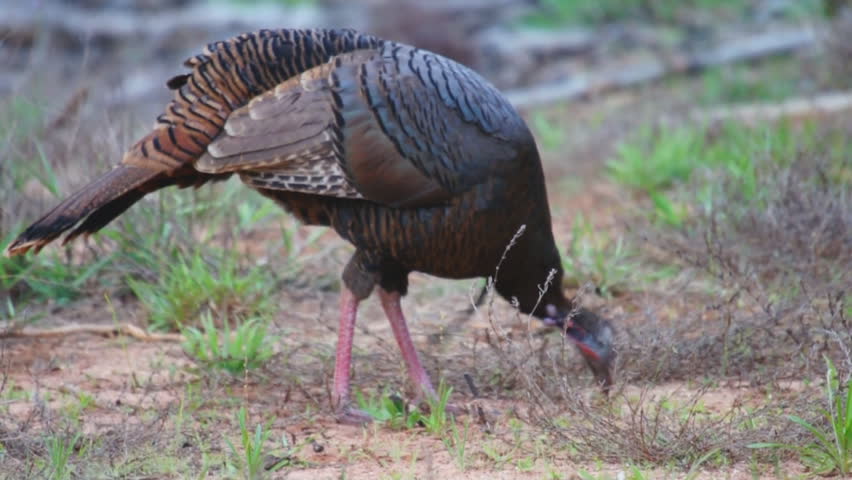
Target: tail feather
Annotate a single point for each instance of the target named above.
(225, 77)
(90, 208)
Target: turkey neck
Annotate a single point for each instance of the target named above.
(534, 258)
(531, 265)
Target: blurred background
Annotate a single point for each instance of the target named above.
(697, 154)
(567, 48)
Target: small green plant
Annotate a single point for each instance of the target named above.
(456, 443)
(557, 13)
(59, 450)
(437, 419)
(525, 464)
(187, 287)
(652, 161)
(830, 452)
(695, 468)
(686, 167)
(247, 462)
(246, 347)
(737, 83)
(633, 473)
(387, 409)
(81, 403)
(391, 410)
(44, 277)
(496, 455)
(550, 135)
(552, 473)
(20, 116)
(608, 263)
(667, 210)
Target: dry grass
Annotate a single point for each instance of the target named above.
(709, 360)
(780, 266)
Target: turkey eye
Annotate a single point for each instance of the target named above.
(409, 156)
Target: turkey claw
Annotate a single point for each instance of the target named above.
(350, 415)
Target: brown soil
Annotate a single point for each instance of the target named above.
(132, 383)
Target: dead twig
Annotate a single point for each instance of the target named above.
(103, 330)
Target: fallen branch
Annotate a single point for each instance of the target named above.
(623, 75)
(103, 330)
(796, 109)
(793, 109)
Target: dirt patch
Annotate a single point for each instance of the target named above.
(146, 403)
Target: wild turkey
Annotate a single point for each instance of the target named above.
(414, 159)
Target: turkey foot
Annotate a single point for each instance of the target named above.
(409, 156)
(349, 415)
(426, 397)
(425, 405)
(426, 393)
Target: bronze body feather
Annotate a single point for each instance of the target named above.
(415, 159)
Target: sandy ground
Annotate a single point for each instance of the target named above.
(132, 384)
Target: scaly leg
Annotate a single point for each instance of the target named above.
(393, 310)
(341, 397)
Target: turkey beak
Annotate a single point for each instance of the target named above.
(593, 337)
(599, 355)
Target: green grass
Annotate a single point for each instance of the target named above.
(237, 350)
(246, 460)
(37, 279)
(655, 162)
(746, 83)
(60, 449)
(145, 250)
(608, 263)
(31, 279)
(178, 245)
(830, 449)
(498, 454)
(34, 279)
(437, 419)
(557, 13)
(550, 134)
(652, 161)
(191, 286)
(81, 402)
(633, 473)
(387, 409)
(455, 440)
(19, 117)
(391, 410)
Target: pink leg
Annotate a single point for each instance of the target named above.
(393, 310)
(343, 361)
